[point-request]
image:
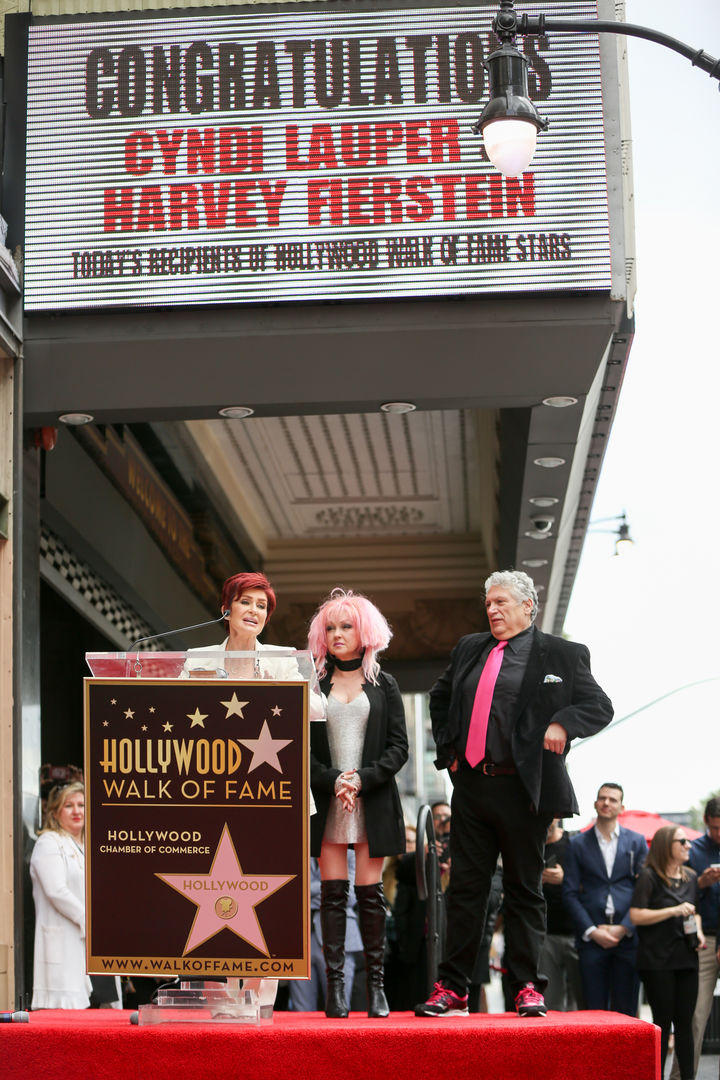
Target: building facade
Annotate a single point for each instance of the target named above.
(281, 209)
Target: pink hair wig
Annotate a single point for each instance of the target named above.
(369, 623)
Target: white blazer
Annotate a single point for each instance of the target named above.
(271, 667)
(57, 869)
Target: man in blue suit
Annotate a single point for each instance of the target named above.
(601, 868)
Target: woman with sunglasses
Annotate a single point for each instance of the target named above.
(669, 934)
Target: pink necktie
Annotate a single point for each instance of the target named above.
(475, 749)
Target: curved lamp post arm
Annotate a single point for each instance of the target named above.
(510, 123)
(507, 24)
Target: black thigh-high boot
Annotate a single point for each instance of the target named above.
(371, 917)
(333, 917)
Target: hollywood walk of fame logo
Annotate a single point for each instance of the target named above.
(226, 898)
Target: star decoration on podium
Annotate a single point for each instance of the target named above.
(234, 707)
(276, 710)
(128, 714)
(226, 898)
(265, 749)
(197, 718)
(167, 726)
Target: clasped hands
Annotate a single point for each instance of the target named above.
(347, 786)
(607, 936)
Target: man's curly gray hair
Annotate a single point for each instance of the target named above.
(520, 584)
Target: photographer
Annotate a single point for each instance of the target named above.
(558, 956)
(441, 815)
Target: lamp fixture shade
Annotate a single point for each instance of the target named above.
(509, 123)
(510, 145)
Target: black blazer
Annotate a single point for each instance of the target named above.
(576, 702)
(385, 751)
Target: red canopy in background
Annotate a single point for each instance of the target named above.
(648, 823)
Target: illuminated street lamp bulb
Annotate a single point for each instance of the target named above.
(510, 145)
(509, 123)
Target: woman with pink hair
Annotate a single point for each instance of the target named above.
(354, 758)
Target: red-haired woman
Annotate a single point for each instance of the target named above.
(354, 758)
(669, 935)
(248, 600)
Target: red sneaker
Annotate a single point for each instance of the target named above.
(443, 1002)
(529, 1001)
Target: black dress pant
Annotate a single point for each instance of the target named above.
(671, 996)
(491, 816)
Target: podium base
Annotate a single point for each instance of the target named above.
(201, 1002)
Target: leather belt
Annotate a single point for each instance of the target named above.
(489, 768)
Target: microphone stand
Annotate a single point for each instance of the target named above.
(170, 633)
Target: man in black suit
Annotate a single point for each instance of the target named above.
(503, 716)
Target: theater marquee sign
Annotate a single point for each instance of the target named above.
(300, 155)
(197, 838)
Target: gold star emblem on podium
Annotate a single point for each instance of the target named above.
(196, 719)
(234, 707)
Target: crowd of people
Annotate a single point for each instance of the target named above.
(504, 714)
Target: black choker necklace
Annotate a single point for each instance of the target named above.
(348, 665)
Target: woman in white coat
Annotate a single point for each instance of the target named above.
(57, 869)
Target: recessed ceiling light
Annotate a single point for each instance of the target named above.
(535, 534)
(236, 412)
(544, 500)
(549, 462)
(398, 407)
(560, 401)
(534, 563)
(76, 419)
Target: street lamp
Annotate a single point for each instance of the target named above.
(509, 123)
(624, 540)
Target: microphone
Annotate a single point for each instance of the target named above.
(181, 630)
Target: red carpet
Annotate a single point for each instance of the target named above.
(102, 1045)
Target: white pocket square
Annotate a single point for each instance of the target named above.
(552, 679)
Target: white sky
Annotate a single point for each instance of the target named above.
(651, 622)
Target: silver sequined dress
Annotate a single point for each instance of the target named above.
(346, 726)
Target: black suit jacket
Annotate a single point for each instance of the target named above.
(385, 751)
(576, 702)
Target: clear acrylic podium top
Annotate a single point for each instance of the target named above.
(280, 665)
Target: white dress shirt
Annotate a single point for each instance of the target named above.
(608, 850)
